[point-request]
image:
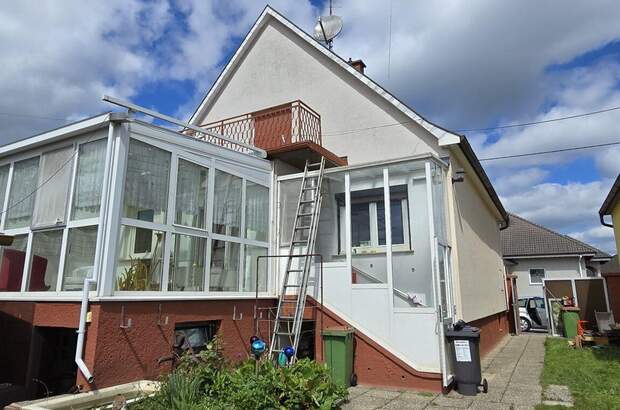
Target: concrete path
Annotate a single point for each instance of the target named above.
(512, 370)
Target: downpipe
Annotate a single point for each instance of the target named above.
(79, 350)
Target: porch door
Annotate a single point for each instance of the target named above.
(445, 307)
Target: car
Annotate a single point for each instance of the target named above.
(533, 314)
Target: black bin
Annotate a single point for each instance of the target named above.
(465, 353)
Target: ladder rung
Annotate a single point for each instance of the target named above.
(289, 300)
(300, 228)
(292, 286)
(287, 317)
(304, 214)
(306, 201)
(309, 188)
(295, 270)
(300, 242)
(285, 333)
(315, 164)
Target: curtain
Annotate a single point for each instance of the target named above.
(191, 197)
(146, 183)
(80, 257)
(21, 198)
(227, 211)
(54, 181)
(256, 212)
(89, 180)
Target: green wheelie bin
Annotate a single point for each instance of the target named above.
(570, 321)
(338, 353)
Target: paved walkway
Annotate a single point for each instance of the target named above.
(512, 370)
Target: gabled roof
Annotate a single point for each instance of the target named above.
(525, 238)
(612, 198)
(269, 14)
(444, 136)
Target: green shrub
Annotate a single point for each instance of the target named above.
(211, 382)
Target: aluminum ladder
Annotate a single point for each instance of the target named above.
(287, 328)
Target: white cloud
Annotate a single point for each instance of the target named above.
(518, 181)
(600, 236)
(567, 208)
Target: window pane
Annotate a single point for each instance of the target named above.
(249, 278)
(224, 266)
(21, 198)
(537, 275)
(191, 201)
(187, 263)
(54, 182)
(368, 262)
(80, 257)
(45, 261)
(4, 176)
(89, 180)
(146, 183)
(140, 265)
(396, 216)
(227, 211)
(360, 224)
(256, 212)
(12, 259)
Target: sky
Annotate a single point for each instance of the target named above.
(462, 64)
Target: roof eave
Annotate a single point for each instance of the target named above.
(610, 200)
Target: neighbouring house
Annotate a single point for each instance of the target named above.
(169, 226)
(534, 253)
(611, 208)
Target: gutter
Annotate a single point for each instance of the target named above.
(602, 219)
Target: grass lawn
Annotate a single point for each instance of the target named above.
(593, 375)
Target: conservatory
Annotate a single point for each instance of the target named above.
(142, 209)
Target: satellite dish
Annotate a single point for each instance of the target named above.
(327, 28)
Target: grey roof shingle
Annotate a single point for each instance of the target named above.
(525, 238)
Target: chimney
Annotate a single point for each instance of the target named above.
(357, 64)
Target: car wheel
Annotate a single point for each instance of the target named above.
(525, 325)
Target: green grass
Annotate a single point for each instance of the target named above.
(593, 375)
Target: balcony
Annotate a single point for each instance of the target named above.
(273, 127)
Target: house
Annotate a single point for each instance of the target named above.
(534, 253)
(140, 236)
(611, 207)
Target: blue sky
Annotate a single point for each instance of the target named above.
(473, 64)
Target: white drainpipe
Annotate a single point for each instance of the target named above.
(79, 350)
(82, 331)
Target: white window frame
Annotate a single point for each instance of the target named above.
(57, 293)
(529, 277)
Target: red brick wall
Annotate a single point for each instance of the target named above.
(493, 329)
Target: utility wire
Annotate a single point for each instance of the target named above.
(551, 151)
(501, 127)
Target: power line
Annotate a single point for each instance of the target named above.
(525, 124)
(11, 114)
(551, 151)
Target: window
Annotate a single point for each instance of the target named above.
(256, 212)
(146, 183)
(21, 198)
(522, 302)
(4, 177)
(368, 217)
(537, 276)
(191, 199)
(195, 336)
(224, 273)
(12, 260)
(227, 208)
(45, 260)
(54, 184)
(89, 180)
(590, 272)
(249, 277)
(141, 270)
(80, 257)
(187, 263)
